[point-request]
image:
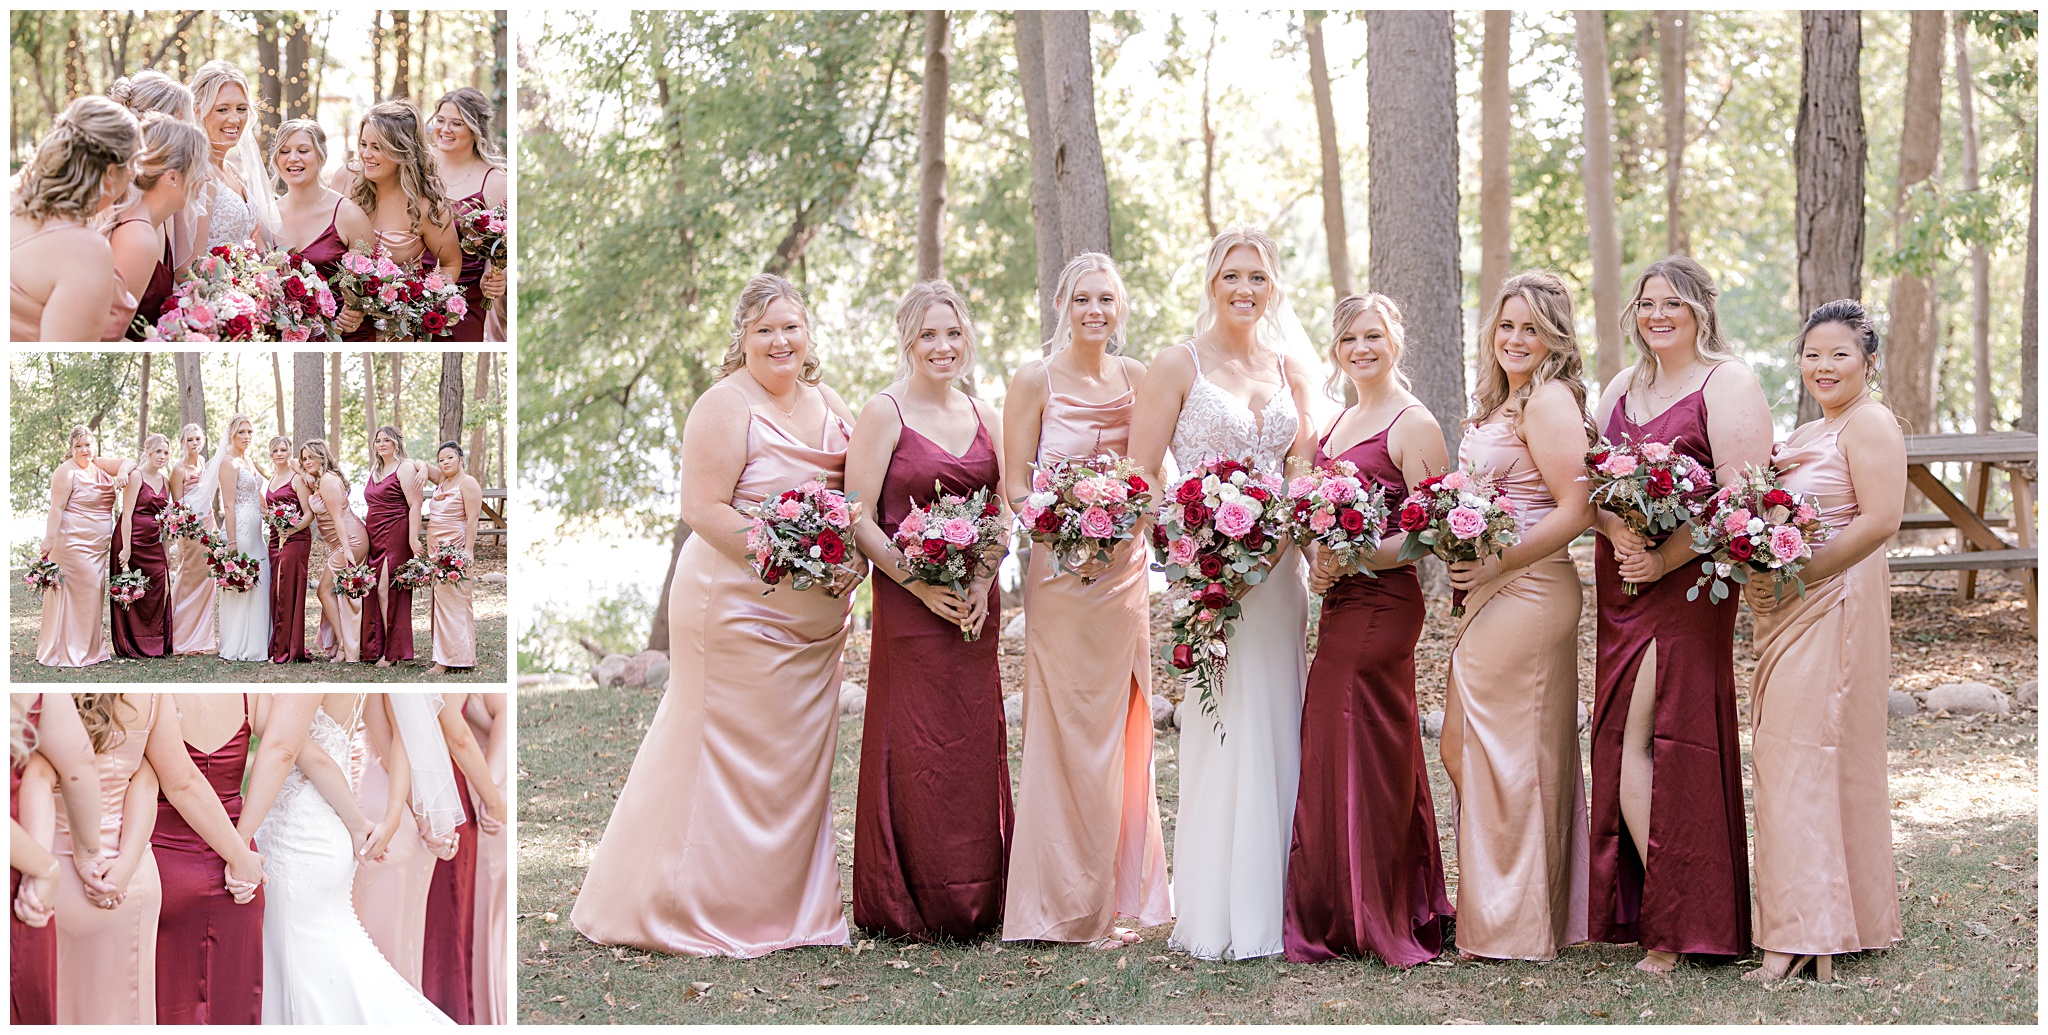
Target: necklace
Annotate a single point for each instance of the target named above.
(790, 412)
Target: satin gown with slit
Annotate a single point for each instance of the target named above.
(106, 958)
(1364, 873)
(209, 959)
(344, 630)
(453, 619)
(72, 633)
(932, 821)
(1087, 847)
(387, 610)
(31, 951)
(192, 585)
(1824, 876)
(448, 952)
(391, 896)
(1511, 736)
(1692, 895)
(289, 560)
(143, 629)
(721, 843)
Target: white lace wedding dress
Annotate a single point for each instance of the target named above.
(245, 617)
(233, 219)
(1237, 787)
(319, 965)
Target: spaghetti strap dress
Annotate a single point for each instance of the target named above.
(143, 628)
(209, 960)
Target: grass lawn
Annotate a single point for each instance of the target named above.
(1964, 825)
(489, 601)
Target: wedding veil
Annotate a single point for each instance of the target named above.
(434, 797)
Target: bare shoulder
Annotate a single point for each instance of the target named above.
(991, 415)
(1617, 386)
(1874, 427)
(1416, 418)
(720, 402)
(1732, 378)
(1174, 364)
(879, 410)
(350, 221)
(1134, 367)
(833, 401)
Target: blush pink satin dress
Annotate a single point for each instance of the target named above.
(391, 896)
(1511, 738)
(1824, 877)
(74, 632)
(454, 615)
(349, 634)
(106, 958)
(192, 586)
(1087, 847)
(491, 995)
(721, 842)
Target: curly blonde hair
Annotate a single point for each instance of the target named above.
(401, 129)
(478, 115)
(755, 298)
(151, 90)
(101, 714)
(66, 175)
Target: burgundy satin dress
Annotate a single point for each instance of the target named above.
(471, 326)
(288, 563)
(162, 278)
(31, 951)
(209, 951)
(932, 822)
(325, 254)
(1364, 872)
(450, 948)
(1692, 896)
(387, 615)
(143, 629)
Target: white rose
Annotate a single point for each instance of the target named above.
(1755, 526)
(1227, 492)
(817, 553)
(1470, 500)
(1209, 484)
(1723, 570)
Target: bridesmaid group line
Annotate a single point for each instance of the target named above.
(106, 517)
(126, 189)
(212, 858)
(1310, 832)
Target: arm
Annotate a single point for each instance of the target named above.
(114, 465)
(867, 465)
(1416, 443)
(992, 419)
(38, 877)
(714, 454)
(855, 568)
(128, 494)
(493, 283)
(37, 902)
(1160, 397)
(410, 475)
(1023, 420)
(383, 733)
(137, 247)
(1556, 435)
(463, 749)
(61, 740)
(81, 298)
(336, 500)
(442, 240)
(138, 821)
(1607, 523)
(60, 494)
(472, 509)
(283, 728)
(230, 473)
(188, 792)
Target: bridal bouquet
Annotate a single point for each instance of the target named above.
(179, 522)
(222, 301)
(1756, 525)
(401, 303)
(356, 581)
(483, 234)
(1458, 517)
(1216, 528)
(281, 515)
(128, 587)
(1652, 487)
(1081, 508)
(800, 535)
(234, 570)
(952, 540)
(449, 564)
(43, 574)
(301, 307)
(1332, 508)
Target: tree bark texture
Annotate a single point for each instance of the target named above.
(1590, 28)
(142, 416)
(334, 401)
(401, 54)
(309, 397)
(1830, 152)
(1045, 200)
(1672, 27)
(1984, 410)
(277, 385)
(451, 399)
(370, 401)
(931, 143)
(269, 77)
(1909, 375)
(1496, 172)
(1079, 175)
(191, 395)
(1334, 230)
(2030, 312)
(1208, 135)
(477, 454)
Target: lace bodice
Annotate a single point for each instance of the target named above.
(331, 738)
(248, 493)
(1215, 423)
(233, 219)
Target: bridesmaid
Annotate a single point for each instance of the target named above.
(490, 722)
(721, 842)
(409, 211)
(143, 629)
(451, 521)
(467, 157)
(60, 274)
(325, 489)
(450, 947)
(1511, 738)
(391, 501)
(168, 172)
(1087, 850)
(79, 537)
(1817, 706)
(1676, 881)
(149, 90)
(1364, 872)
(932, 820)
(192, 585)
(290, 551)
(46, 727)
(314, 221)
(209, 960)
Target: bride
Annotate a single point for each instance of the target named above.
(244, 617)
(319, 965)
(1230, 391)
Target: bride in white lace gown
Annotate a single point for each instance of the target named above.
(1232, 392)
(244, 617)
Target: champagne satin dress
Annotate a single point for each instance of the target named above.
(721, 843)
(350, 622)
(1087, 847)
(192, 585)
(391, 896)
(289, 558)
(454, 614)
(31, 951)
(106, 958)
(73, 634)
(490, 989)
(1824, 877)
(25, 314)
(209, 960)
(143, 629)
(1511, 736)
(387, 611)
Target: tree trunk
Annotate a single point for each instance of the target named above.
(268, 74)
(1984, 411)
(931, 143)
(1079, 175)
(657, 631)
(1909, 373)
(1496, 172)
(1208, 135)
(1333, 171)
(298, 69)
(451, 398)
(377, 57)
(2030, 309)
(401, 54)
(309, 393)
(1830, 151)
(1591, 30)
(477, 455)
(277, 389)
(1412, 197)
(370, 401)
(1672, 29)
(142, 414)
(397, 386)
(1045, 199)
(334, 401)
(191, 394)
(499, 77)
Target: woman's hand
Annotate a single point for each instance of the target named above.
(379, 840)
(1467, 576)
(124, 556)
(1643, 567)
(1624, 539)
(493, 283)
(242, 876)
(34, 904)
(93, 872)
(45, 546)
(489, 810)
(977, 603)
(1761, 594)
(443, 848)
(847, 577)
(120, 876)
(941, 601)
(348, 320)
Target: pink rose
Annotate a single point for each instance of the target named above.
(1182, 551)
(1618, 465)
(198, 316)
(390, 293)
(810, 488)
(1805, 513)
(913, 523)
(1115, 491)
(1456, 480)
(387, 269)
(1096, 523)
(297, 334)
(1656, 452)
(1465, 522)
(434, 282)
(1300, 487)
(836, 513)
(1787, 544)
(457, 307)
(789, 510)
(958, 531)
(1029, 515)
(1321, 521)
(1040, 481)
(1234, 519)
(1270, 481)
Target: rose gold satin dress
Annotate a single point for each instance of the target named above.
(391, 896)
(1511, 738)
(1087, 846)
(350, 633)
(721, 842)
(106, 958)
(192, 586)
(1824, 877)
(73, 632)
(454, 615)
(491, 997)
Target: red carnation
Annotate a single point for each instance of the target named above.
(831, 548)
(1414, 518)
(1215, 597)
(1190, 491)
(991, 510)
(792, 495)
(935, 549)
(434, 322)
(1741, 548)
(1195, 514)
(772, 576)
(1137, 484)
(1778, 498)
(1048, 522)
(1661, 482)
(1183, 656)
(1210, 565)
(1352, 520)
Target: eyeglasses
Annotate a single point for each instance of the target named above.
(1668, 307)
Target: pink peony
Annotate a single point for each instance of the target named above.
(1321, 520)
(1787, 544)
(1804, 513)
(1234, 519)
(1618, 465)
(1456, 480)
(1340, 490)
(1299, 488)
(1182, 551)
(297, 334)
(789, 510)
(1115, 491)
(1656, 452)
(810, 488)
(959, 532)
(1097, 523)
(1088, 490)
(387, 269)
(1466, 523)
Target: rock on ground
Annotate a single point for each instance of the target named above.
(853, 698)
(611, 671)
(1162, 711)
(2026, 697)
(1433, 723)
(1014, 627)
(1585, 718)
(1901, 705)
(489, 578)
(1013, 709)
(1968, 699)
(638, 666)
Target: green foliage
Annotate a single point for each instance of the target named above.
(551, 638)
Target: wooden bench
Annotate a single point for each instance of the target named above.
(1965, 560)
(2016, 453)
(491, 518)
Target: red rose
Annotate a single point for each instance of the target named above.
(792, 495)
(1258, 493)
(239, 326)
(1741, 548)
(1778, 498)
(1183, 656)
(1226, 468)
(1215, 597)
(772, 576)
(1137, 484)
(1194, 515)
(991, 510)
(1190, 491)
(294, 257)
(831, 548)
(935, 549)
(413, 291)
(223, 251)
(433, 322)
(1414, 518)
(1255, 539)
(1597, 459)
(1158, 537)
(1048, 522)
(1429, 482)
(294, 289)
(1210, 565)
(1351, 520)
(1661, 482)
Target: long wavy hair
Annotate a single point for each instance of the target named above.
(1269, 331)
(186, 431)
(171, 144)
(376, 462)
(1350, 308)
(910, 320)
(150, 90)
(478, 115)
(313, 132)
(1070, 281)
(318, 447)
(213, 77)
(1693, 286)
(102, 715)
(1550, 304)
(402, 131)
(21, 737)
(755, 298)
(65, 177)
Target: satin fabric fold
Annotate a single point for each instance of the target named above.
(143, 629)
(454, 614)
(387, 611)
(289, 561)
(209, 960)
(106, 958)
(72, 634)
(192, 585)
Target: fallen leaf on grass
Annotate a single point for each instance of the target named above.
(828, 982)
(1120, 961)
(1597, 1013)
(857, 997)
(549, 917)
(696, 989)
(559, 999)
(1077, 984)
(900, 964)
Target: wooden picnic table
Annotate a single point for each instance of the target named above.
(491, 521)
(1978, 544)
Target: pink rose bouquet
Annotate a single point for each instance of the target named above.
(401, 303)
(1332, 507)
(450, 564)
(234, 570)
(800, 535)
(1652, 487)
(1081, 508)
(43, 574)
(953, 540)
(179, 522)
(414, 574)
(128, 587)
(1458, 516)
(356, 581)
(1756, 526)
(483, 233)
(281, 515)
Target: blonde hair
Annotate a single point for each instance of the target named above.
(152, 439)
(755, 298)
(213, 77)
(1070, 281)
(313, 133)
(318, 447)
(170, 144)
(402, 131)
(66, 175)
(1550, 307)
(78, 431)
(1268, 331)
(236, 421)
(101, 715)
(1693, 286)
(910, 314)
(150, 90)
(397, 438)
(478, 115)
(1348, 310)
(21, 737)
(275, 439)
(188, 430)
